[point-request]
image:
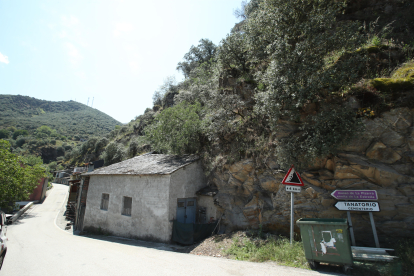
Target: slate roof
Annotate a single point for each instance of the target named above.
(146, 164)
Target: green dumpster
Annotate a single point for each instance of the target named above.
(327, 241)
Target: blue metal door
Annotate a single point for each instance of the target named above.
(181, 210)
(190, 210)
(186, 210)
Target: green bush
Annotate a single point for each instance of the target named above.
(4, 133)
(20, 132)
(177, 129)
(273, 249)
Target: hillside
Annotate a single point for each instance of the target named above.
(68, 118)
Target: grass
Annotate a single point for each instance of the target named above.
(272, 249)
(257, 248)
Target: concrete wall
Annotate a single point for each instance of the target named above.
(149, 214)
(185, 182)
(208, 203)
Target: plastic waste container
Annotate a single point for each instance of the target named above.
(327, 241)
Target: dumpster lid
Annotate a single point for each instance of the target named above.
(322, 221)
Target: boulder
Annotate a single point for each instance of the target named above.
(379, 151)
(241, 170)
(406, 189)
(268, 183)
(392, 138)
(399, 119)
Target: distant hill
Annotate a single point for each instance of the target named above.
(68, 118)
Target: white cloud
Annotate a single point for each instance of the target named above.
(4, 59)
(73, 53)
(122, 28)
(69, 21)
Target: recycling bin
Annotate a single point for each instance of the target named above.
(327, 241)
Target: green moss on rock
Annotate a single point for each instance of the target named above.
(401, 79)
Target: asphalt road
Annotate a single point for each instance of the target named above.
(37, 246)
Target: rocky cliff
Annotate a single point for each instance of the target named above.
(381, 158)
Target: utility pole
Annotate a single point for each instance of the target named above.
(87, 102)
(92, 101)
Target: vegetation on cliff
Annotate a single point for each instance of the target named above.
(291, 80)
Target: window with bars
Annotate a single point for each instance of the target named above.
(105, 202)
(127, 206)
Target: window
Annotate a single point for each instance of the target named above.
(127, 206)
(105, 202)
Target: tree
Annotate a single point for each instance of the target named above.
(177, 129)
(4, 134)
(44, 131)
(20, 132)
(113, 153)
(290, 39)
(205, 51)
(17, 178)
(289, 42)
(168, 87)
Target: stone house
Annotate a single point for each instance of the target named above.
(142, 196)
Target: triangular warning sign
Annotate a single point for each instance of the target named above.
(292, 178)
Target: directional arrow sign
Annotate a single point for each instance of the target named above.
(355, 195)
(357, 206)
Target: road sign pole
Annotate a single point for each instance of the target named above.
(291, 217)
(374, 230)
(351, 228)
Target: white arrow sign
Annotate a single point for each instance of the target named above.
(358, 206)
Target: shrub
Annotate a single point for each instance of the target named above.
(113, 153)
(20, 132)
(177, 129)
(4, 133)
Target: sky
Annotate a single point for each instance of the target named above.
(114, 53)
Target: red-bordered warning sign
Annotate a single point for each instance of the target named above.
(292, 178)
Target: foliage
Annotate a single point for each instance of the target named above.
(113, 153)
(4, 133)
(17, 178)
(169, 86)
(20, 132)
(203, 52)
(67, 118)
(322, 134)
(232, 52)
(44, 131)
(177, 129)
(133, 149)
(100, 145)
(294, 37)
(33, 160)
(273, 249)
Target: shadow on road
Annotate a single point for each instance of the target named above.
(147, 244)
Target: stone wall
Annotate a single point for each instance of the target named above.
(381, 158)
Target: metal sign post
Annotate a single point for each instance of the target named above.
(374, 230)
(358, 206)
(294, 182)
(291, 216)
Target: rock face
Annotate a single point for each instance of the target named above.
(381, 159)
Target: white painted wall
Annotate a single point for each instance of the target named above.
(208, 203)
(149, 214)
(154, 202)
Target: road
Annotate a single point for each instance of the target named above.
(37, 246)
